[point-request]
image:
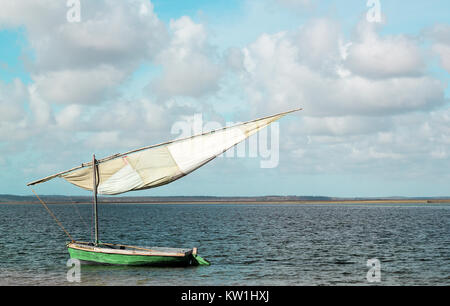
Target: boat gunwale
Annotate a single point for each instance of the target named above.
(144, 252)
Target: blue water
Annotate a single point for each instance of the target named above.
(317, 244)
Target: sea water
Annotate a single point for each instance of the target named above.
(247, 244)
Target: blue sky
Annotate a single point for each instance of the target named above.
(376, 119)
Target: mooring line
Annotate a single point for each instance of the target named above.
(51, 214)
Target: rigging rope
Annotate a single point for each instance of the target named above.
(81, 217)
(54, 217)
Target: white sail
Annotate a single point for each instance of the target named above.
(159, 165)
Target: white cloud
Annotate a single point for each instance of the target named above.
(36, 15)
(345, 125)
(13, 121)
(277, 78)
(296, 4)
(77, 70)
(69, 117)
(365, 100)
(102, 140)
(381, 57)
(77, 67)
(41, 109)
(12, 100)
(440, 35)
(370, 105)
(190, 65)
(79, 86)
(318, 44)
(83, 62)
(120, 124)
(444, 53)
(109, 32)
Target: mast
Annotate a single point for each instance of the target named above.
(94, 189)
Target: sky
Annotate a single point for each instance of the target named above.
(101, 77)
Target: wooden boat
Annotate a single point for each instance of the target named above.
(117, 254)
(145, 168)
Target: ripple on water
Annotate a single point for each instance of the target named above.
(247, 244)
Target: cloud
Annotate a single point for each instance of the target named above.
(77, 70)
(444, 53)
(37, 16)
(278, 74)
(405, 147)
(12, 99)
(109, 32)
(345, 125)
(40, 108)
(440, 35)
(13, 123)
(190, 64)
(370, 105)
(382, 57)
(83, 62)
(69, 117)
(296, 4)
(318, 44)
(79, 86)
(119, 124)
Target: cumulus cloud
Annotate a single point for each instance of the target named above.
(381, 57)
(403, 147)
(79, 86)
(440, 36)
(317, 43)
(69, 117)
(77, 70)
(118, 124)
(40, 108)
(12, 100)
(443, 51)
(109, 32)
(83, 62)
(368, 101)
(278, 74)
(190, 64)
(13, 123)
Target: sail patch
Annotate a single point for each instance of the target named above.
(123, 180)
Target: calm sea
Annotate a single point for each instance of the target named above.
(318, 244)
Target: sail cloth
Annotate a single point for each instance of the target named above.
(159, 165)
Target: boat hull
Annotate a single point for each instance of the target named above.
(133, 256)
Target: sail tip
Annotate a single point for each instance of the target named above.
(291, 111)
(295, 110)
(34, 183)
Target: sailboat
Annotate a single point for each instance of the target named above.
(145, 168)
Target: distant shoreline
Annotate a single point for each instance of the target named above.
(15, 200)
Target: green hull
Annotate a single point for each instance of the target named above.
(130, 256)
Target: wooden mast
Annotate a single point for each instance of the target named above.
(94, 189)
